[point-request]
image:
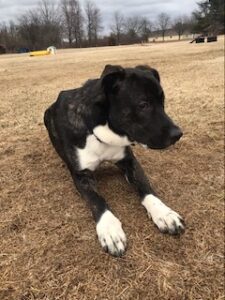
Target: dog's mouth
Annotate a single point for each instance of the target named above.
(158, 146)
(163, 143)
(155, 147)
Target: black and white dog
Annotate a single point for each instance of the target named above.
(98, 122)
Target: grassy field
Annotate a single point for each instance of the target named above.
(49, 248)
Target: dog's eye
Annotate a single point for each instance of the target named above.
(144, 105)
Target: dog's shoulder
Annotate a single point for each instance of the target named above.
(77, 111)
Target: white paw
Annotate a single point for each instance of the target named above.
(110, 234)
(165, 218)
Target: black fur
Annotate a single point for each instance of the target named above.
(131, 101)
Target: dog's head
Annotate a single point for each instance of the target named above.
(136, 106)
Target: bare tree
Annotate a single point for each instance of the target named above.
(34, 29)
(49, 16)
(97, 27)
(73, 21)
(78, 23)
(89, 7)
(138, 29)
(67, 17)
(117, 27)
(30, 30)
(9, 36)
(146, 29)
(133, 27)
(180, 25)
(39, 28)
(190, 24)
(48, 11)
(163, 23)
(93, 22)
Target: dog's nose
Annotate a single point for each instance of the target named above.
(175, 134)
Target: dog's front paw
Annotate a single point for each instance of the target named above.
(167, 220)
(111, 234)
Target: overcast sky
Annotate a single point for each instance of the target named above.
(11, 9)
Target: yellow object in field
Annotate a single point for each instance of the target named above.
(40, 53)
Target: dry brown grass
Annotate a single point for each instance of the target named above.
(48, 245)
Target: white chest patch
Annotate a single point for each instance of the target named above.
(96, 152)
(103, 145)
(105, 134)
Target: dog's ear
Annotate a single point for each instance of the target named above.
(146, 68)
(111, 77)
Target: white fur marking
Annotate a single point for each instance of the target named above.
(144, 146)
(126, 178)
(106, 135)
(110, 234)
(164, 217)
(96, 152)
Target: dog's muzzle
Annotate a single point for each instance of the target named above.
(163, 142)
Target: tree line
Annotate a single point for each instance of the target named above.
(68, 24)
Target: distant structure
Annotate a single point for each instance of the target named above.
(170, 36)
(202, 39)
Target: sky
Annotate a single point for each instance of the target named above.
(12, 9)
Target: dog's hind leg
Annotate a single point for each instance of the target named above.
(52, 132)
(165, 218)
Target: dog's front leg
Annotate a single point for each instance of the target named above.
(109, 228)
(165, 218)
